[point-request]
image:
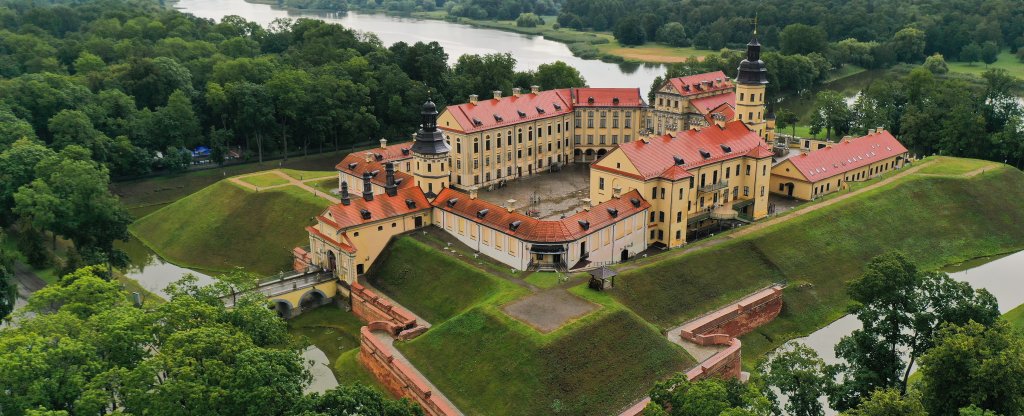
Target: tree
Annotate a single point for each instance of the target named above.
(8, 289)
(971, 53)
(13, 128)
(798, 373)
(709, 397)
(356, 399)
(799, 38)
(558, 75)
(889, 402)
(674, 34)
(786, 118)
(629, 31)
(529, 20)
(972, 364)
(900, 308)
(830, 113)
(908, 44)
(989, 52)
(175, 124)
(936, 64)
(18, 168)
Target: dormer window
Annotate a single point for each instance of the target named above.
(482, 213)
(375, 173)
(453, 201)
(613, 212)
(557, 107)
(521, 113)
(726, 149)
(615, 100)
(590, 100)
(540, 110)
(514, 225)
(378, 156)
(584, 224)
(477, 122)
(678, 160)
(705, 154)
(497, 118)
(405, 151)
(365, 214)
(635, 202)
(352, 166)
(410, 204)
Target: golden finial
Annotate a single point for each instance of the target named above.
(755, 23)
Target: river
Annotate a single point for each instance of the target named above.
(1001, 276)
(457, 39)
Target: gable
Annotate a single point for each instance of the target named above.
(617, 160)
(780, 170)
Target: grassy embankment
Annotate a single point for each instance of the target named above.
(935, 220)
(264, 180)
(489, 363)
(1016, 317)
(225, 226)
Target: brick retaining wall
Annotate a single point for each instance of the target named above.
(398, 376)
(370, 307)
(736, 319)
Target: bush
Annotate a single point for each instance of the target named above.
(529, 20)
(630, 31)
(936, 64)
(584, 50)
(674, 34)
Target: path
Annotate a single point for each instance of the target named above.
(789, 215)
(419, 319)
(302, 184)
(386, 339)
(27, 283)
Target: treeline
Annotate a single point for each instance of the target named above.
(948, 25)
(136, 84)
(473, 9)
(967, 358)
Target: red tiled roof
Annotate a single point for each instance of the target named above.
(605, 97)
(695, 84)
(850, 154)
(541, 231)
(361, 166)
(507, 109)
(381, 207)
(725, 111)
(655, 157)
(395, 152)
(344, 246)
(708, 105)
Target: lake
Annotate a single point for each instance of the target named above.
(457, 39)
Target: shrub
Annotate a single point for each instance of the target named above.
(529, 20)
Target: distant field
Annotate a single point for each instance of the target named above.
(1007, 61)
(224, 226)
(652, 52)
(934, 220)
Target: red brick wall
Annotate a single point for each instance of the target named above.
(398, 377)
(301, 259)
(372, 308)
(736, 319)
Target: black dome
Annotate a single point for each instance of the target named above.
(752, 70)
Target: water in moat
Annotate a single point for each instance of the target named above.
(152, 272)
(457, 39)
(1000, 275)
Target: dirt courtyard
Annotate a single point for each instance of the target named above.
(549, 310)
(551, 195)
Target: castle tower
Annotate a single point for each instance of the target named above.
(430, 152)
(751, 82)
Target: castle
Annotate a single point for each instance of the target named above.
(698, 153)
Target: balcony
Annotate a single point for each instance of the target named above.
(714, 186)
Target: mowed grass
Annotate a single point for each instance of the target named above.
(225, 226)
(1007, 61)
(934, 220)
(953, 165)
(430, 283)
(264, 180)
(305, 175)
(1016, 318)
(652, 52)
(488, 364)
(543, 280)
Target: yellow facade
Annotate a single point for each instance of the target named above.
(787, 180)
(432, 172)
(750, 107)
(740, 183)
(368, 241)
(596, 130)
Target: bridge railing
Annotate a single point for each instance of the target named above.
(283, 283)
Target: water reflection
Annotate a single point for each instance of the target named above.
(152, 272)
(530, 51)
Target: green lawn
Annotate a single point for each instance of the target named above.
(934, 220)
(430, 283)
(1007, 61)
(543, 280)
(265, 179)
(1016, 317)
(651, 52)
(954, 165)
(325, 185)
(490, 364)
(305, 175)
(225, 226)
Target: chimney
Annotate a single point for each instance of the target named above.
(515, 91)
(871, 131)
(390, 187)
(497, 94)
(472, 98)
(510, 205)
(367, 187)
(345, 199)
(534, 89)
(368, 156)
(383, 143)
(879, 129)
(473, 193)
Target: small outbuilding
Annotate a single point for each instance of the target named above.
(602, 278)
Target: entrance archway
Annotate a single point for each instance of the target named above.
(601, 152)
(589, 155)
(789, 188)
(576, 154)
(332, 262)
(312, 299)
(624, 255)
(282, 307)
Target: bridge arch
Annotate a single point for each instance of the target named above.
(283, 307)
(313, 298)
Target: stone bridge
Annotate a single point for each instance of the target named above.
(293, 293)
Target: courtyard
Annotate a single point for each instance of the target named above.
(546, 196)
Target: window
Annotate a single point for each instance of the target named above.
(746, 190)
(590, 139)
(678, 234)
(741, 97)
(661, 216)
(615, 122)
(727, 173)
(602, 139)
(604, 116)
(652, 216)
(487, 144)
(653, 233)
(679, 216)
(576, 140)
(625, 139)
(590, 119)
(748, 169)
(662, 193)
(737, 169)
(615, 138)
(762, 190)
(600, 183)
(458, 147)
(681, 194)
(380, 228)
(764, 170)
(476, 147)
